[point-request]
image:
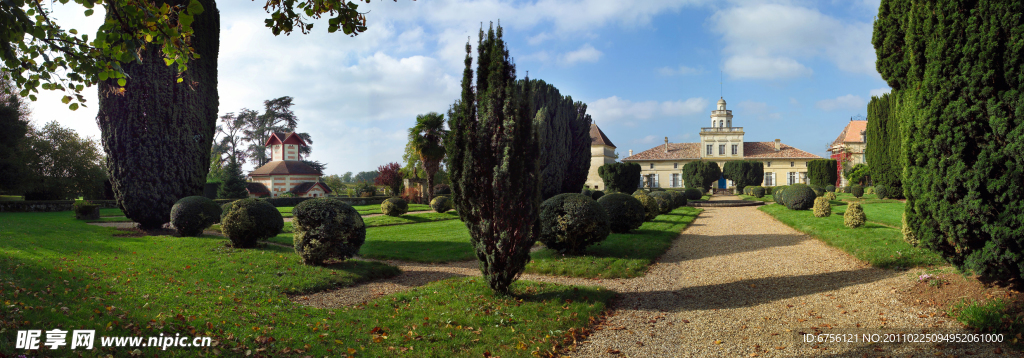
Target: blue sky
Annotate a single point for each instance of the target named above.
(793, 70)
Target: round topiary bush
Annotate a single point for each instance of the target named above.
(678, 198)
(326, 229)
(818, 191)
(596, 194)
(908, 234)
(587, 192)
(847, 190)
(625, 213)
(251, 220)
(640, 192)
(224, 209)
(777, 194)
(830, 195)
(664, 201)
(693, 194)
(441, 204)
(857, 191)
(651, 207)
(758, 192)
(799, 197)
(442, 189)
(193, 214)
(854, 216)
(822, 207)
(570, 222)
(830, 188)
(881, 191)
(394, 207)
(869, 190)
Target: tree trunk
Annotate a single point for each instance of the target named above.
(158, 133)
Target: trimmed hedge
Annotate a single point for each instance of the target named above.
(830, 188)
(620, 177)
(799, 197)
(758, 192)
(882, 191)
(678, 198)
(778, 193)
(665, 202)
(193, 214)
(651, 207)
(625, 213)
(822, 207)
(857, 191)
(818, 190)
(854, 216)
(251, 220)
(693, 194)
(326, 229)
(570, 222)
(596, 194)
(441, 204)
(823, 172)
(85, 210)
(394, 207)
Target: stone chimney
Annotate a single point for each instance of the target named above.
(666, 144)
(778, 145)
(631, 152)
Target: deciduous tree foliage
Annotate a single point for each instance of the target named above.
(389, 176)
(701, 174)
(158, 132)
(62, 165)
(493, 163)
(957, 67)
(563, 132)
(823, 172)
(620, 177)
(885, 142)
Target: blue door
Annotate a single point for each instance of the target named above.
(721, 182)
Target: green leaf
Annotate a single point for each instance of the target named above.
(73, 106)
(88, 13)
(168, 61)
(195, 8)
(32, 97)
(180, 79)
(73, 31)
(65, 100)
(121, 82)
(103, 76)
(185, 20)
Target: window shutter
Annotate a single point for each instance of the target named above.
(657, 180)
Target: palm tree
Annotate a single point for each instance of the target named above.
(426, 137)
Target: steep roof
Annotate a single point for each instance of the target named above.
(851, 133)
(285, 138)
(305, 187)
(597, 136)
(279, 167)
(675, 151)
(767, 150)
(257, 189)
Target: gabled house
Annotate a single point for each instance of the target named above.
(286, 173)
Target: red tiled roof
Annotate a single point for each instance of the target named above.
(597, 136)
(279, 167)
(767, 150)
(305, 187)
(851, 133)
(285, 138)
(692, 151)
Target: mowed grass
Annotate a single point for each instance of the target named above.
(878, 245)
(111, 212)
(620, 255)
(72, 275)
(286, 211)
(766, 198)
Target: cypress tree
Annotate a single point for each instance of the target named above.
(884, 146)
(158, 133)
(563, 134)
(955, 67)
(493, 162)
(701, 174)
(232, 182)
(743, 173)
(823, 172)
(620, 177)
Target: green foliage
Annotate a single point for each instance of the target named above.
(884, 151)
(251, 220)
(818, 190)
(366, 189)
(830, 195)
(620, 177)
(798, 197)
(494, 164)
(441, 204)
(848, 189)
(232, 182)
(625, 213)
(651, 206)
(193, 214)
(596, 194)
(570, 222)
(854, 216)
(881, 191)
(224, 209)
(908, 232)
(743, 173)
(665, 202)
(425, 138)
(678, 198)
(14, 125)
(859, 174)
(326, 229)
(758, 192)
(830, 188)
(442, 189)
(59, 163)
(694, 193)
(563, 135)
(822, 207)
(857, 191)
(701, 174)
(777, 194)
(85, 210)
(394, 207)
(822, 172)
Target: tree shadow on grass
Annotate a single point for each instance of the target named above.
(417, 251)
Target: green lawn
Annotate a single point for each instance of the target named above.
(885, 213)
(11, 198)
(620, 255)
(767, 198)
(875, 244)
(286, 211)
(111, 212)
(442, 241)
(77, 276)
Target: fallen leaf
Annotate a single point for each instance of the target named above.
(718, 342)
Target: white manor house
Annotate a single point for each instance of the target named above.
(663, 165)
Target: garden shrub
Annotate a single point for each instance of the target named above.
(412, 195)
(366, 189)
(818, 190)
(625, 213)
(193, 214)
(85, 210)
(651, 207)
(830, 196)
(394, 207)
(640, 192)
(854, 216)
(587, 192)
(847, 189)
(224, 209)
(693, 194)
(442, 189)
(857, 191)
(596, 194)
(881, 191)
(210, 190)
(908, 233)
(799, 197)
(285, 201)
(758, 192)
(822, 207)
(570, 222)
(665, 202)
(869, 190)
(620, 177)
(251, 220)
(822, 172)
(678, 198)
(830, 188)
(326, 229)
(441, 203)
(778, 194)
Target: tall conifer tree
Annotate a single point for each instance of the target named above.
(563, 132)
(884, 143)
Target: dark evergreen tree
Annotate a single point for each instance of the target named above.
(563, 132)
(701, 174)
(158, 132)
(884, 146)
(14, 125)
(493, 163)
(232, 182)
(743, 173)
(823, 172)
(956, 70)
(620, 177)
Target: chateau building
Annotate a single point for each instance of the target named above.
(662, 166)
(602, 152)
(850, 145)
(285, 173)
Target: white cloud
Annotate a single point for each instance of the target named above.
(615, 109)
(878, 92)
(585, 53)
(847, 102)
(757, 110)
(763, 37)
(681, 70)
(765, 67)
(539, 38)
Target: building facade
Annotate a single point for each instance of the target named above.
(849, 146)
(286, 173)
(662, 166)
(602, 152)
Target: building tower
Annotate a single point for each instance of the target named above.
(721, 141)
